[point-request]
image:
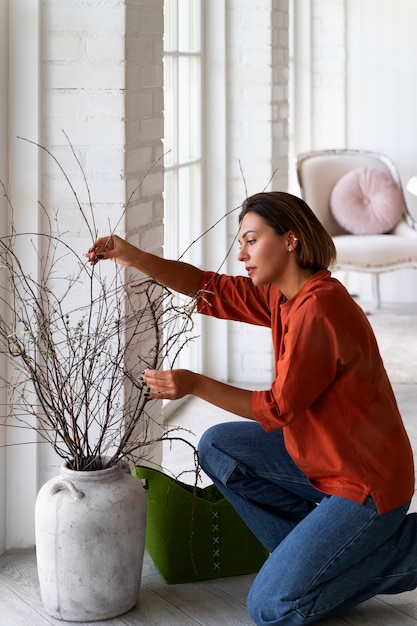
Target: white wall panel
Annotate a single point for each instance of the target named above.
(355, 63)
(381, 65)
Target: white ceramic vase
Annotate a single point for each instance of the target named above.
(90, 538)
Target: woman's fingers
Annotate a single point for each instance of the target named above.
(100, 249)
(166, 384)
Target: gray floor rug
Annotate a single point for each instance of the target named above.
(395, 327)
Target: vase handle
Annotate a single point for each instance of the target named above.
(124, 467)
(63, 483)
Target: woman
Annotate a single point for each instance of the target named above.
(323, 473)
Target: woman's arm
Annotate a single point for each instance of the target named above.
(175, 275)
(175, 384)
(186, 279)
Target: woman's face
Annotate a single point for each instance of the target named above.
(264, 252)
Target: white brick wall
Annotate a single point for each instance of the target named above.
(280, 107)
(257, 142)
(83, 79)
(103, 85)
(145, 123)
(3, 231)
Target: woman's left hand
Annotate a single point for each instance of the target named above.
(175, 384)
(168, 384)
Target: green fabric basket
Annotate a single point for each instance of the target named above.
(195, 534)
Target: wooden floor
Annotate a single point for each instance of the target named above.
(211, 603)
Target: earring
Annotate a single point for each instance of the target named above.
(290, 249)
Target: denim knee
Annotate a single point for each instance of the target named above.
(208, 449)
(216, 451)
(205, 446)
(278, 612)
(264, 615)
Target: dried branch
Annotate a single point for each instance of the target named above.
(77, 341)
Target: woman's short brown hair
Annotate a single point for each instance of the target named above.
(285, 212)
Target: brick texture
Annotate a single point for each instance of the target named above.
(257, 57)
(102, 84)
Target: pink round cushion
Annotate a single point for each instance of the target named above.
(366, 201)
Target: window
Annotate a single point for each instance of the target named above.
(183, 138)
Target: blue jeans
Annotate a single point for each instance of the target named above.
(327, 553)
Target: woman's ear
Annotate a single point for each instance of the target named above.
(291, 241)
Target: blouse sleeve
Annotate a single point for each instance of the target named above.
(234, 298)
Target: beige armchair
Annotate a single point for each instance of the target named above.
(318, 172)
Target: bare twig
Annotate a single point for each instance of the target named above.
(77, 341)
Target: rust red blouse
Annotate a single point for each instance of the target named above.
(331, 393)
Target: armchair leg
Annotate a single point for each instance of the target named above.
(376, 294)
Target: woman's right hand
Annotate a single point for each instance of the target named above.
(175, 275)
(112, 247)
